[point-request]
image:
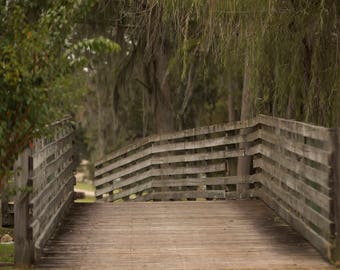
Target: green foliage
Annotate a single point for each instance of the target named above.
(291, 48)
(36, 71)
(7, 253)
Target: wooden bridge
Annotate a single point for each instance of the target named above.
(284, 215)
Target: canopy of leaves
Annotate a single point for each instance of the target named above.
(38, 60)
(185, 60)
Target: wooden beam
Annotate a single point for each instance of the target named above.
(321, 177)
(303, 150)
(300, 187)
(179, 135)
(336, 194)
(23, 248)
(304, 129)
(321, 244)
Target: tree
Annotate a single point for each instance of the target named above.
(38, 59)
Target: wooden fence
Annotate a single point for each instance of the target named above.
(45, 190)
(295, 170)
(189, 164)
(295, 164)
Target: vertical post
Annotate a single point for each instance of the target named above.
(336, 194)
(23, 247)
(244, 162)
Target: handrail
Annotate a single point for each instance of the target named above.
(293, 171)
(47, 191)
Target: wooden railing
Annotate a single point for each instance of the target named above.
(295, 171)
(45, 190)
(189, 164)
(294, 164)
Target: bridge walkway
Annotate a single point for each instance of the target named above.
(243, 234)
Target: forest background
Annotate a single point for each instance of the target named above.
(185, 64)
(127, 69)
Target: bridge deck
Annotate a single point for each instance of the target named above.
(178, 235)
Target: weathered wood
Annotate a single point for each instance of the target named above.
(304, 129)
(157, 172)
(44, 196)
(123, 161)
(23, 248)
(178, 235)
(297, 204)
(336, 193)
(183, 182)
(176, 135)
(296, 159)
(320, 177)
(310, 193)
(321, 244)
(49, 229)
(53, 166)
(168, 159)
(315, 132)
(130, 191)
(180, 195)
(223, 180)
(303, 150)
(51, 181)
(52, 206)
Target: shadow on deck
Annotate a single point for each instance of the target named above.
(178, 235)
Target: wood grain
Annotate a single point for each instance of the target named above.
(178, 235)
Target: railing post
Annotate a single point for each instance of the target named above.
(23, 247)
(336, 194)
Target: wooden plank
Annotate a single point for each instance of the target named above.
(58, 162)
(61, 140)
(157, 172)
(177, 135)
(304, 129)
(53, 205)
(336, 193)
(182, 235)
(52, 225)
(297, 185)
(168, 159)
(227, 180)
(142, 198)
(180, 195)
(191, 145)
(124, 161)
(23, 248)
(213, 129)
(223, 180)
(40, 183)
(298, 205)
(317, 176)
(44, 196)
(321, 244)
(130, 191)
(303, 150)
(126, 149)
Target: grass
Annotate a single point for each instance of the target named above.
(84, 186)
(7, 253)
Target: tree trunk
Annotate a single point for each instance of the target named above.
(164, 113)
(244, 163)
(290, 109)
(231, 103)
